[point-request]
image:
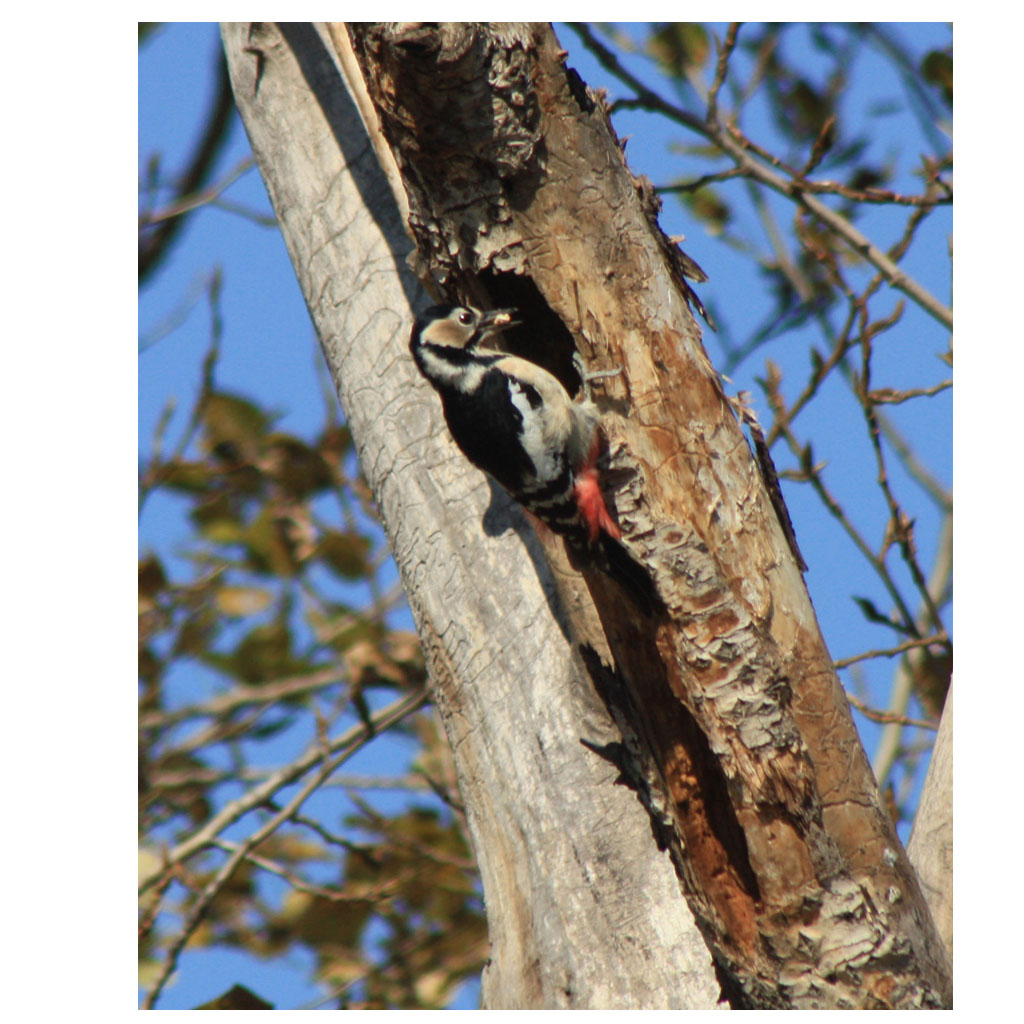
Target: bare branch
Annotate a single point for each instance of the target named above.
(187, 203)
(888, 717)
(153, 246)
(721, 69)
(890, 396)
(244, 696)
(344, 746)
(900, 524)
(903, 683)
(387, 888)
(891, 652)
(731, 141)
(198, 910)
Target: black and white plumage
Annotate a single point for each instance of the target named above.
(514, 420)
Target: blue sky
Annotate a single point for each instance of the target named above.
(269, 352)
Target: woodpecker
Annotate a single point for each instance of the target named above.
(514, 420)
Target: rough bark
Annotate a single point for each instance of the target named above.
(733, 729)
(736, 727)
(583, 909)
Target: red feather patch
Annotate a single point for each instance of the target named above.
(590, 500)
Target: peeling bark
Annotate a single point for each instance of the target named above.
(729, 722)
(519, 192)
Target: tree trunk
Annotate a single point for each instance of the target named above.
(583, 910)
(718, 710)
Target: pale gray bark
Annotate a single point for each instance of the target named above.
(931, 842)
(583, 909)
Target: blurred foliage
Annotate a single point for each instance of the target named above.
(388, 905)
(275, 621)
(679, 47)
(238, 997)
(937, 70)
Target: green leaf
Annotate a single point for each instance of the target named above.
(147, 29)
(270, 729)
(345, 553)
(230, 420)
(807, 461)
(872, 614)
(321, 922)
(264, 653)
(679, 46)
(335, 442)
(188, 477)
(238, 602)
(937, 68)
(298, 468)
(708, 206)
(238, 997)
(152, 578)
(150, 670)
(267, 548)
(218, 520)
(806, 109)
(196, 634)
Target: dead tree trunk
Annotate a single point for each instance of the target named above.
(720, 711)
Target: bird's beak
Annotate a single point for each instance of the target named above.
(496, 320)
(493, 323)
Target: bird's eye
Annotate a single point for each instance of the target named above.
(465, 317)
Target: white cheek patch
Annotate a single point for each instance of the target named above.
(462, 378)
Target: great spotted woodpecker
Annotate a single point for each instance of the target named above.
(514, 420)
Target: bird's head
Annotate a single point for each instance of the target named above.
(460, 327)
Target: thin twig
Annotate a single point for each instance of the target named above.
(347, 744)
(198, 909)
(881, 196)
(721, 69)
(889, 743)
(813, 476)
(186, 203)
(887, 717)
(423, 849)
(901, 523)
(384, 890)
(899, 279)
(891, 652)
(890, 396)
(697, 184)
(244, 696)
(149, 916)
(156, 472)
(939, 493)
(154, 245)
(731, 141)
